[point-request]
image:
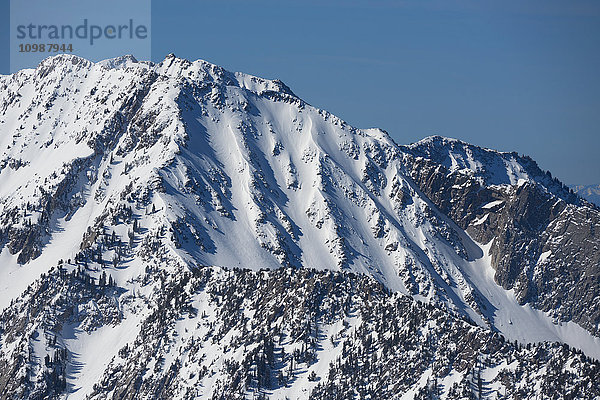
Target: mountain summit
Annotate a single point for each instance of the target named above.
(160, 223)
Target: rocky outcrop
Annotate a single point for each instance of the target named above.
(543, 240)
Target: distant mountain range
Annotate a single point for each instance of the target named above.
(179, 231)
(589, 192)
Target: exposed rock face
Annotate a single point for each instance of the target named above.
(544, 240)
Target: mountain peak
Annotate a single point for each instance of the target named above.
(490, 167)
(64, 63)
(444, 141)
(119, 62)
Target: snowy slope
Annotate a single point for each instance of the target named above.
(142, 171)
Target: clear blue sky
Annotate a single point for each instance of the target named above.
(511, 75)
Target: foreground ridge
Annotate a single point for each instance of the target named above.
(216, 333)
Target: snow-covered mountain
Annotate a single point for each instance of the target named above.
(543, 241)
(121, 181)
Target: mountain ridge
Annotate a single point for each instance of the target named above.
(139, 172)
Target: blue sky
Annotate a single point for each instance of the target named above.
(511, 75)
